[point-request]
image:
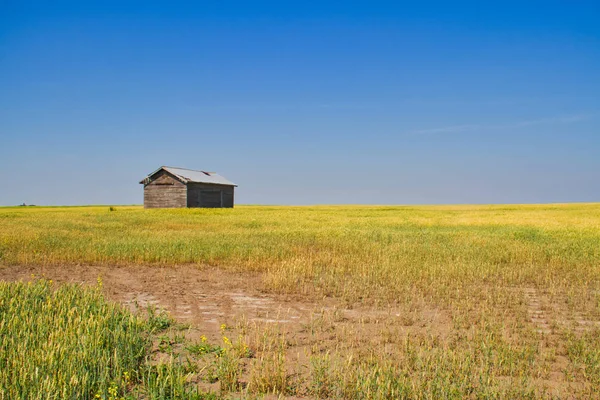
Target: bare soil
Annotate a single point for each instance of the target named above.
(204, 298)
(207, 297)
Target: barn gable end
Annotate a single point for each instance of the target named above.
(165, 191)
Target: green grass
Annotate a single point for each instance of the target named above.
(64, 343)
(67, 342)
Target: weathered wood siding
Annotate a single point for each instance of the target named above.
(209, 195)
(165, 192)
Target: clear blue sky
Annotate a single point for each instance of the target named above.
(302, 102)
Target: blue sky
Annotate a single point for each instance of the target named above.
(302, 102)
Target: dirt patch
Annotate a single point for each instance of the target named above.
(205, 298)
(202, 297)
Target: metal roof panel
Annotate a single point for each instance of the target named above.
(190, 175)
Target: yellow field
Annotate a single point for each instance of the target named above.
(488, 301)
(354, 252)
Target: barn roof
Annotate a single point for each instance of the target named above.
(190, 175)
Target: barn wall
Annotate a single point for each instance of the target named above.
(165, 192)
(209, 195)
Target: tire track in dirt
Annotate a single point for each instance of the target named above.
(547, 310)
(534, 309)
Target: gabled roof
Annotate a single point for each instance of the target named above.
(190, 175)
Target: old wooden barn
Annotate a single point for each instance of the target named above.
(171, 187)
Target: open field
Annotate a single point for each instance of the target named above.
(346, 301)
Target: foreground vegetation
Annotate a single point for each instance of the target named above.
(474, 301)
(67, 342)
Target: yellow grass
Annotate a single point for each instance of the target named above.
(349, 251)
(488, 271)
